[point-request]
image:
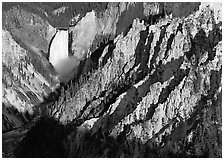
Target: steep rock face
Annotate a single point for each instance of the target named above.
(28, 28)
(27, 74)
(113, 21)
(24, 83)
(155, 87)
(82, 36)
(21, 72)
(28, 31)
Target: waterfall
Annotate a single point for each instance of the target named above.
(59, 48)
(59, 58)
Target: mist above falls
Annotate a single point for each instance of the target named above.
(63, 64)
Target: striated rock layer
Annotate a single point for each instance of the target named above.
(152, 90)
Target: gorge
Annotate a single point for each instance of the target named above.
(112, 80)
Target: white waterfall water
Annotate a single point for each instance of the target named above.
(59, 48)
(59, 58)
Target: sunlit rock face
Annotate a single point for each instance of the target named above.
(153, 88)
(92, 27)
(27, 75)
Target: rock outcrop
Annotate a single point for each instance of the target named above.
(152, 89)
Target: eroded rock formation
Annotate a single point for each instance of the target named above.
(152, 89)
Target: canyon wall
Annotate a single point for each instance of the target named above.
(146, 87)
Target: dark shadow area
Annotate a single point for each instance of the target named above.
(111, 47)
(157, 47)
(202, 43)
(45, 139)
(48, 139)
(169, 43)
(48, 52)
(178, 77)
(98, 52)
(70, 38)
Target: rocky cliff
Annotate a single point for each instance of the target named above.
(148, 85)
(27, 75)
